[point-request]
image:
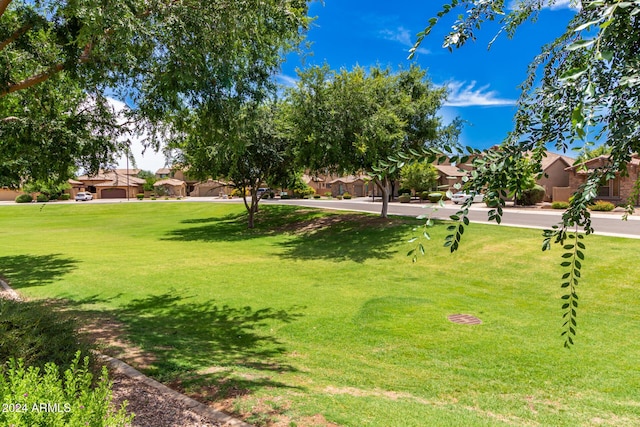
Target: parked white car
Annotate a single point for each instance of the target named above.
(84, 196)
(461, 197)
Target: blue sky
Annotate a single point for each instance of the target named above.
(483, 83)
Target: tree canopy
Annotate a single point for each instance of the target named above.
(581, 90)
(60, 59)
(247, 149)
(348, 121)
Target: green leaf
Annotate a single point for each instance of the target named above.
(580, 44)
(586, 25)
(573, 73)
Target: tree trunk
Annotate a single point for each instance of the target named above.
(384, 189)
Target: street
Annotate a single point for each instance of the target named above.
(605, 224)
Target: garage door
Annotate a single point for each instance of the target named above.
(113, 193)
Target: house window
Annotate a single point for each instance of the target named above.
(610, 188)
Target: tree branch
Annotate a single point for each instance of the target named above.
(3, 6)
(32, 81)
(15, 35)
(39, 78)
(9, 119)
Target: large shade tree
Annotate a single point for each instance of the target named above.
(59, 59)
(348, 121)
(246, 148)
(581, 90)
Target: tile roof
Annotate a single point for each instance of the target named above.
(169, 181)
(449, 170)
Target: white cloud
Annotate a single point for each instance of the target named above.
(565, 4)
(462, 94)
(287, 81)
(403, 36)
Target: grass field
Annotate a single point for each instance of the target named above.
(316, 318)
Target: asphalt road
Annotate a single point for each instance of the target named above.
(606, 224)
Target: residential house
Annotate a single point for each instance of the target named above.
(616, 190)
(116, 184)
(317, 182)
(357, 186)
(184, 176)
(211, 188)
(556, 176)
(171, 187)
(449, 175)
(163, 173)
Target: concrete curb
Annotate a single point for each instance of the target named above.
(118, 365)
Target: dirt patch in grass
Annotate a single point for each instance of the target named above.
(109, 336)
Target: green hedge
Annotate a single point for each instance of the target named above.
(603, 206)
(24, 198)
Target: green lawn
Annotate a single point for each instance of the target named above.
(317, 318)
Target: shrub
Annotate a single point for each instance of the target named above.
(560, 205)
(328, 194)
(153, 197)
(42, 198)
(272, 195)
(34, 333)
(532, 196)
(303, 192)
(339, 197)
(316, 196)
(404, 198)
(601, 205)
(346, 195)
(69, 399)
(424, 195)
(65, 196)
(24, 198)
(140, 196)
(284, 196)
(435, 197)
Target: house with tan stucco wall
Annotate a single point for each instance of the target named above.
(116, 184)
(616, 190)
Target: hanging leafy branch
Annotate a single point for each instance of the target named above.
(581, 90)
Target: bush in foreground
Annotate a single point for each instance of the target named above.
(42, 397)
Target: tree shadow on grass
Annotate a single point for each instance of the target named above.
(351, 237)
(197, 346)
(23, 271)
(271, 219)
